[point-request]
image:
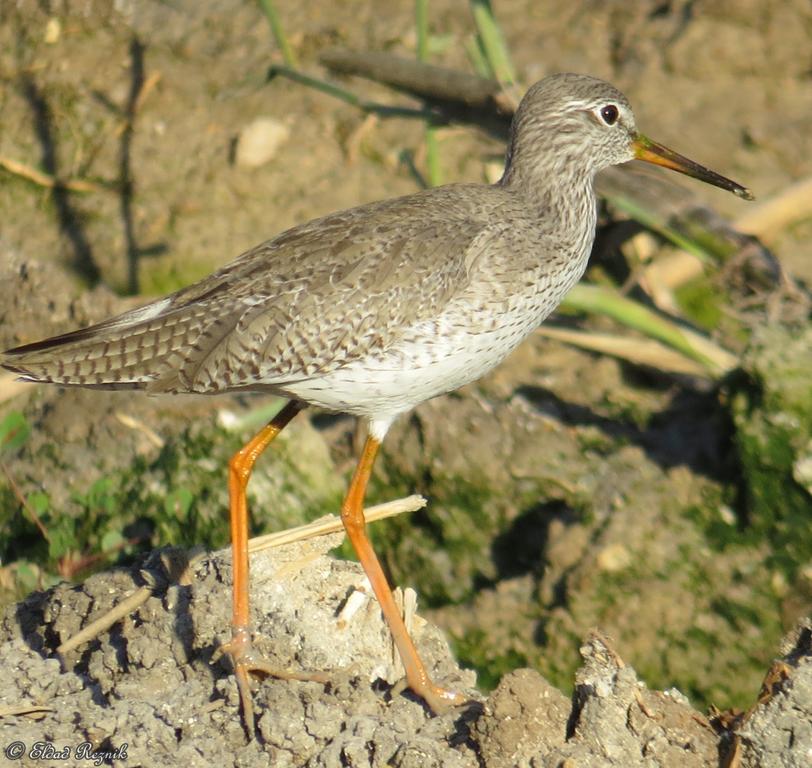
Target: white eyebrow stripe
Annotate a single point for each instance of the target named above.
(578, 104)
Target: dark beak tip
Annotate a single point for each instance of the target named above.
(745, 194)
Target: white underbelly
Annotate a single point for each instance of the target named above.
(440, 360)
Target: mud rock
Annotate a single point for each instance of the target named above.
(614, 721)
(617, 721)
(524, 717)
(148, 685)
(778, 731)
(149, 681)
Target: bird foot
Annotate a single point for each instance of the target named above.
(440, 700)
(248, 661)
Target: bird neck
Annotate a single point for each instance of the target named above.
(560, 189)
(553, 173)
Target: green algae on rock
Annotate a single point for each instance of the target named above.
(772, 413)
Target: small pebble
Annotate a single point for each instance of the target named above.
(259, 141)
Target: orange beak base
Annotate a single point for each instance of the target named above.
(651, 152)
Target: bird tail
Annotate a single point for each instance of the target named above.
(126, 352)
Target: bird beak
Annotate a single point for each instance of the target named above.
(652, 152)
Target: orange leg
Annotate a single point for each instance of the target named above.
(245, 659)
(352, 515)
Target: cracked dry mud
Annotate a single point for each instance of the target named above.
(149, 683)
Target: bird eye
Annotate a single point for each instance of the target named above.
(609, 114)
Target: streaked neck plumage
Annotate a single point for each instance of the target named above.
(554, 176)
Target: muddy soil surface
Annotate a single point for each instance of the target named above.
(149, 691)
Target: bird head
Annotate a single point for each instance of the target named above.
(575, 122)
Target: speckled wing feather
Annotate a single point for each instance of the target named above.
(314, 298)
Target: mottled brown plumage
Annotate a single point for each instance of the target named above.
(327, 294)
(462, 271)
(375, 309)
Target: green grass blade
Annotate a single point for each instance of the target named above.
(477, 58)
(421, 18)
(337, 92)
(655, 223)
(493, 42)
(597, 299)
(433, 169)
(269, 8)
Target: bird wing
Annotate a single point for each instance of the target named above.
(314, 298)
(326, 297)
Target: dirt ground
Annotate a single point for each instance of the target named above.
(149, 693)
(726, 82)
(566, 491)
